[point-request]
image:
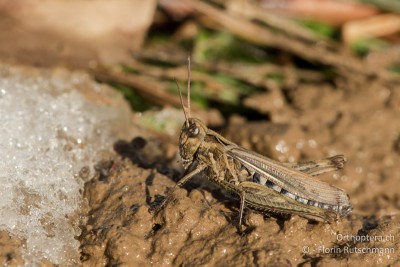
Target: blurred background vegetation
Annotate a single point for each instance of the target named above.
(247, 55)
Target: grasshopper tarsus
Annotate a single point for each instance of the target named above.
(244, 231)
(156, 207)
(338, 161)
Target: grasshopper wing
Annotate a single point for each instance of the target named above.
(290, 182)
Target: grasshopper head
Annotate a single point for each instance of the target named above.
(192, 136)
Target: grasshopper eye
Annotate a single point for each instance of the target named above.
(193, 130)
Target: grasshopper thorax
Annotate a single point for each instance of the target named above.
(192, 136)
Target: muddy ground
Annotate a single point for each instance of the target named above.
(199, 227)
(356, 113)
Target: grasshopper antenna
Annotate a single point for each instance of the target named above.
(188, 87)
(183, 106)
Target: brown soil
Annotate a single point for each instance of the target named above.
(356, 114)
(199, 227)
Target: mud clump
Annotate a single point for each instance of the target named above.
(199, 226)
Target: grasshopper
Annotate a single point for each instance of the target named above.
(260, 182)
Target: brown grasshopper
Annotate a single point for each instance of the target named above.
(261, 183)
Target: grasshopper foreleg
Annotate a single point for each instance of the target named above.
(181, 182)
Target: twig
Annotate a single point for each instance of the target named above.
(389, 5)
(347, 65)
(154, 92)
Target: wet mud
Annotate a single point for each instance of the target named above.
(199, 226)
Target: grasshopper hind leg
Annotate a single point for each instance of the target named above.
(242, 205)
(317, 167)
(230, 187)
